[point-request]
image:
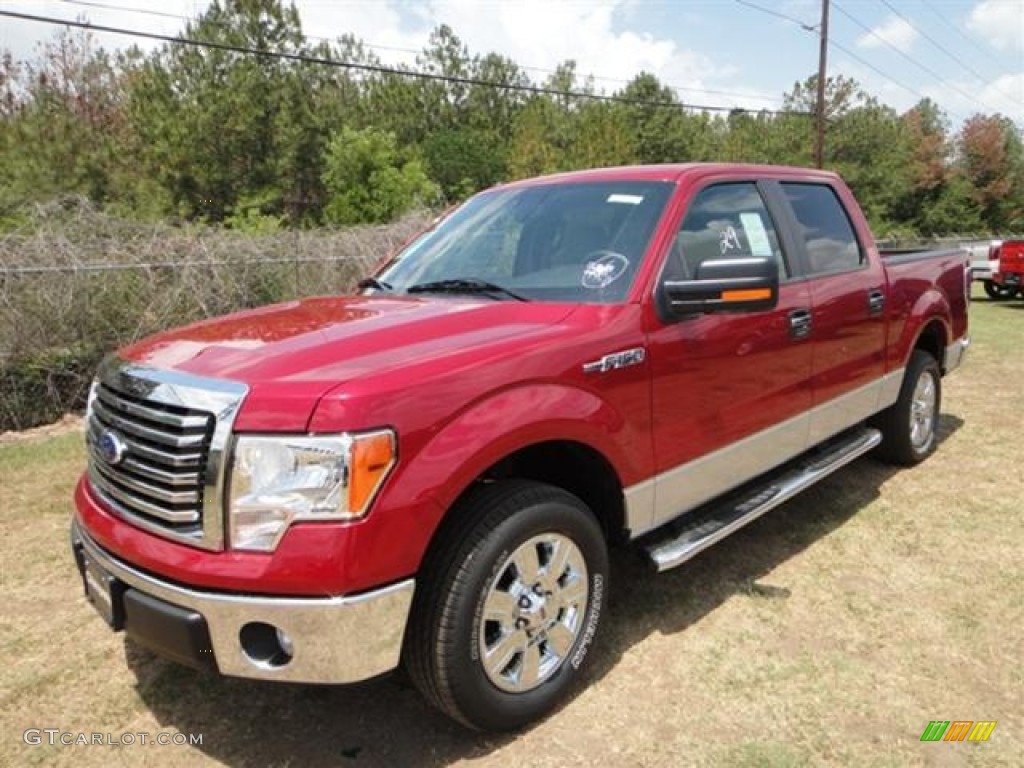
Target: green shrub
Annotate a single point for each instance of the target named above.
(55, 325)
(41, 387)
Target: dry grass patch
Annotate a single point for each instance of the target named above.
(828, 633)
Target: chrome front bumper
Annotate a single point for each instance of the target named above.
(333, 639)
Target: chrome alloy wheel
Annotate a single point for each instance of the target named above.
(922, 412)
(533, 612)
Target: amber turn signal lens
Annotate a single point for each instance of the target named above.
(373, 456)
(753, 294)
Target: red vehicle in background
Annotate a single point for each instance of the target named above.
(1008, 276)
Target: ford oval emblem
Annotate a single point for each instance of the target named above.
(111, 447)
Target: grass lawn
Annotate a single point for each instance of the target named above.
(830, 632)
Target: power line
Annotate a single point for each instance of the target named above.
(974, 43)
(779, 15)
(379, 69)
(956, 59)
(678, 88)
(876, 70)
(833, 43)
(939, 78)
(107, 7)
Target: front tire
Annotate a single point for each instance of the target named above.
(910, 426)
(509, 603)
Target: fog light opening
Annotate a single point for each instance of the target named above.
(265, 645)
(285, 642)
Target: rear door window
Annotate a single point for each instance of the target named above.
(825, 228)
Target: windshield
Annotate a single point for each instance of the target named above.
(579, 242)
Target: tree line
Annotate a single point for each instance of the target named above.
(260, 142)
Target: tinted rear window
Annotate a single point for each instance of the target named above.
(825, 227)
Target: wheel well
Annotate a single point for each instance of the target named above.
(574, 467)
(933, 341)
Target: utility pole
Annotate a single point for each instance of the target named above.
(819, 129)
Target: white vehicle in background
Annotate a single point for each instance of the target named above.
(985, 267)
(982, 255)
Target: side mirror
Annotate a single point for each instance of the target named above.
(749, 284)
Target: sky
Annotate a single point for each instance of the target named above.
(967, 55)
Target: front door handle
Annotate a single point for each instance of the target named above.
(876, 302)
(800, 323)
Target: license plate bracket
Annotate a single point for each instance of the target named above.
(104, 591)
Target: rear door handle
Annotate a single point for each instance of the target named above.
(799, 323)
(876, 302)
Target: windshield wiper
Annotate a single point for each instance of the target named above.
(468, 285)
(373, 282)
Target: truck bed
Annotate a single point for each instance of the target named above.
(917, 276)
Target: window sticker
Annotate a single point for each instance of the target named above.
(602, 272)
(757, 236)
(627, 199)
(729, 240)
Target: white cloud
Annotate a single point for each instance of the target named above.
(1006, 94)
(534, 33)
(539, 35)
(22, 38)
(1003, 95)
(602, 36)
(958, 98)
(895, 31)
(1000, 22)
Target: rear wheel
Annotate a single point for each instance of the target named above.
(508, 605)
(909, 427)
(999, 292)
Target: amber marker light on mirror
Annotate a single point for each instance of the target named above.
(753, 294)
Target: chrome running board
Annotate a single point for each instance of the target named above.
(675, 543)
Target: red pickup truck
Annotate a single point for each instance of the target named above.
(1007, 279)
(430, 473)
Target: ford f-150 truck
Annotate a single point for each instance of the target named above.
(1006, 276)
(430, 473)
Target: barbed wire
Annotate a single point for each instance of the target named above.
(122, 266)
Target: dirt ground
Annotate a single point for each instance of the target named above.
(830, 632)
(69, 423)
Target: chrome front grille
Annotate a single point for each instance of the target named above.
(156, 443)
(160, 474)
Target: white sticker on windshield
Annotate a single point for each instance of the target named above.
(760, 245)
(627, 199)
(604, 271)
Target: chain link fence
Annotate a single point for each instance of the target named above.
(75, 284)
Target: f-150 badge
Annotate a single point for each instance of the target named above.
(615, 360)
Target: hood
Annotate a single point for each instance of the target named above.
(291, 354)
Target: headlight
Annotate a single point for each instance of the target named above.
(278, 480)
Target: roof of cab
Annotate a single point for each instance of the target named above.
(675, 172)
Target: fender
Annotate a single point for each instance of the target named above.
(512, 419)
(391, 542)
(912, 321)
